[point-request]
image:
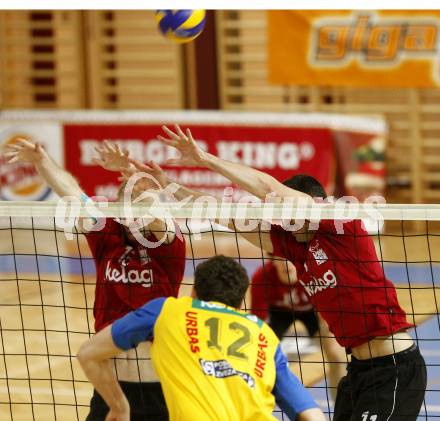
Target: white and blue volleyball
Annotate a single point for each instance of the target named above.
(181, 25)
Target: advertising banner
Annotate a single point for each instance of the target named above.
(354, 48)
(345, 153)
(278, 151)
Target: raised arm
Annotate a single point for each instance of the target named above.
(255, 182)
(94, 358)
(61, 181)
(113, 158)
(257, 237)
(125, 333)
(179, 191)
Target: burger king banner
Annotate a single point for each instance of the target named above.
(279, 151)
(344, 153)
(354, 48)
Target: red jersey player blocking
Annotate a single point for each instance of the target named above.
(279, 298)
(386, 378)
(127, 276)
(215, 362)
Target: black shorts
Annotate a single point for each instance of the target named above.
(280, 320)
(147, 403)
(390, 388)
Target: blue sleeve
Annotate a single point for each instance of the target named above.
(290, 394)
(137, 326)
(84, 198)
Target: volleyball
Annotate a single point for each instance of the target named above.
(181, 25)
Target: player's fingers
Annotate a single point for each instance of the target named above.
(146, 168)
(98, 161)
(25, 143)
(169, 142)
(189, 135)
(155, 166)
(126, 172)
(121, 169)
(13, 159)
(180, 132)
(125, 175)
(174, 161)
(130, 166)
(108, 146)
(136, 163)
(13, 147)
(139, 165)
(99, 149)
(113, 148)
(9, 155)
(118, 149)
(131, 169)
(23, 140)
(170, 133)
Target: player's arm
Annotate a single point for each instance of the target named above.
(291, 395)
(95, 354)
(61, 181)
(256, 182)
(112, 158)
(94, 357)
(257, 237)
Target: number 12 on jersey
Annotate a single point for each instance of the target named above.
(216, 338)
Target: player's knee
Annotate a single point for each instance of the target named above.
(83, 354)
(314, 414)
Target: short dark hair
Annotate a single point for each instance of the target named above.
(221, 279)
(306, 184)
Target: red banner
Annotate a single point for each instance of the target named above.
(279, 151)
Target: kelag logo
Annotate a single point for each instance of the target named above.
(373, 40)
(19, 181)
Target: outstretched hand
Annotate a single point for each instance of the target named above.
(112, 157)
(155, 177)
(191, 153)
(150, 168)
(25, 150)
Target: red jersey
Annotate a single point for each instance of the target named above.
(128, 274)
(268, 290)
(345, 281)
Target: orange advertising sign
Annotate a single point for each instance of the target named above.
(354, 48)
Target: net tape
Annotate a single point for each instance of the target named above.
(214, 210)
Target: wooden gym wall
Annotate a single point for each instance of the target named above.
(413, 151)
(88, 59)
(118, 60)
(130, 65)
(41, 55)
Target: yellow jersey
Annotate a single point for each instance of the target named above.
(214, 362)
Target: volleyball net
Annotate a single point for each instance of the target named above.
(48, 282)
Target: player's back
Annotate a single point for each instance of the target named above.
(214, 362)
